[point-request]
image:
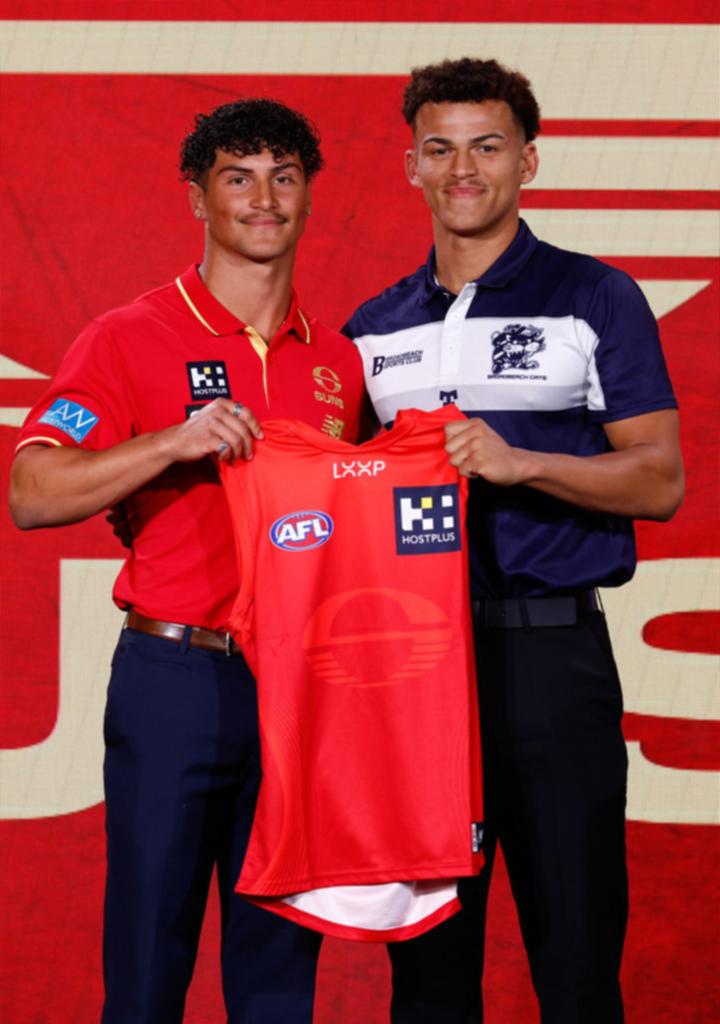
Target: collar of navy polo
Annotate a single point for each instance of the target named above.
(506, 267)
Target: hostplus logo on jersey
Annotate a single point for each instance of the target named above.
(381, 363)
(515, 348)
(208, 380)
(426, 519)
(302, 531)
(71, 418)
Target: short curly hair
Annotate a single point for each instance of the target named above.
(249, 126)
(469, 80)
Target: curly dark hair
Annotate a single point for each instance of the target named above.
(249, 126)
(472, 81)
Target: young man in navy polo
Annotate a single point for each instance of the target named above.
(145, 400)
(571, 434)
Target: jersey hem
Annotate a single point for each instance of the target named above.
(342, 931)
(431, 872)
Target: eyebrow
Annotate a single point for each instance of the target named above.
(235, 168)
(476, 138)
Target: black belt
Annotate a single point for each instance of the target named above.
(206, 639)
(524, 612)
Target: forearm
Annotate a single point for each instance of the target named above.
(55, 486)
(637, 482)
(641, 477)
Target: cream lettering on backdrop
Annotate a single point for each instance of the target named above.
(63, 774)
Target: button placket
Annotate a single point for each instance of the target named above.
(452, 334)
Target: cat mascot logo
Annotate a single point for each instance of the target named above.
(514, 346)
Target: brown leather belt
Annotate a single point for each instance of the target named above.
(207, 639)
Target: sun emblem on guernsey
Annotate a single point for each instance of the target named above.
(345, 644)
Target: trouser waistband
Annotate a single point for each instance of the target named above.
(524, 612)
(206, 639)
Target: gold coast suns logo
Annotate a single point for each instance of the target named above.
(328, 386)
(376, 636)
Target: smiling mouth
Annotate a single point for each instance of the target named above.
(465, 191)
(263, 222)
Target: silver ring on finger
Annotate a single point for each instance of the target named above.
(237, 408)
(222, 447)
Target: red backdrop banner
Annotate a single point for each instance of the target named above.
(94, 214)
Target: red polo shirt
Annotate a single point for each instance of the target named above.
(147, 366)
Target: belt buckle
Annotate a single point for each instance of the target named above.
(228, 644)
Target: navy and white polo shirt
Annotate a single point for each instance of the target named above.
(546, 346)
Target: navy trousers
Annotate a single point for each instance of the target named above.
(182, 769)
(555, 780)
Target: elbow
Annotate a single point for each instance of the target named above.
(27, 514)
(669, 499)
(23, 515)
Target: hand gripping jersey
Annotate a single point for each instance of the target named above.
(354, 617)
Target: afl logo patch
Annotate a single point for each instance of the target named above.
(301, 531)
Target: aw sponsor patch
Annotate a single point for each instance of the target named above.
(426, 519)
(75, 420)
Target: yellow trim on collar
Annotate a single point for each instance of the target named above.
(194, 308)
(261, 348)
(306, 325)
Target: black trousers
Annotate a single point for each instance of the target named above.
(555, 781)
(182, 770)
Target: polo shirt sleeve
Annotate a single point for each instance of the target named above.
(89, 403)
(347, 329)
(628, 375)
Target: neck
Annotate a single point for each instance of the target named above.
(256, 293)
(459, 258)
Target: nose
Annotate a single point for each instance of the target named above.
(463, 165)
(264, 196)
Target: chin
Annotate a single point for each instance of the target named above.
(261, 255)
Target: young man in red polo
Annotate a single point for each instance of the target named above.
(145, 401)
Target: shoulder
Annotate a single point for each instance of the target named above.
(586, 286)
(581, 269)
(327, 338)
(394, 309)
(332, 347)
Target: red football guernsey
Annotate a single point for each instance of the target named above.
(353, 614)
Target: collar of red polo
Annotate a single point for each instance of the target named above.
(218, 320)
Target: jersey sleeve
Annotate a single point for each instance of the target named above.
(628, 375)
(89, 403)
